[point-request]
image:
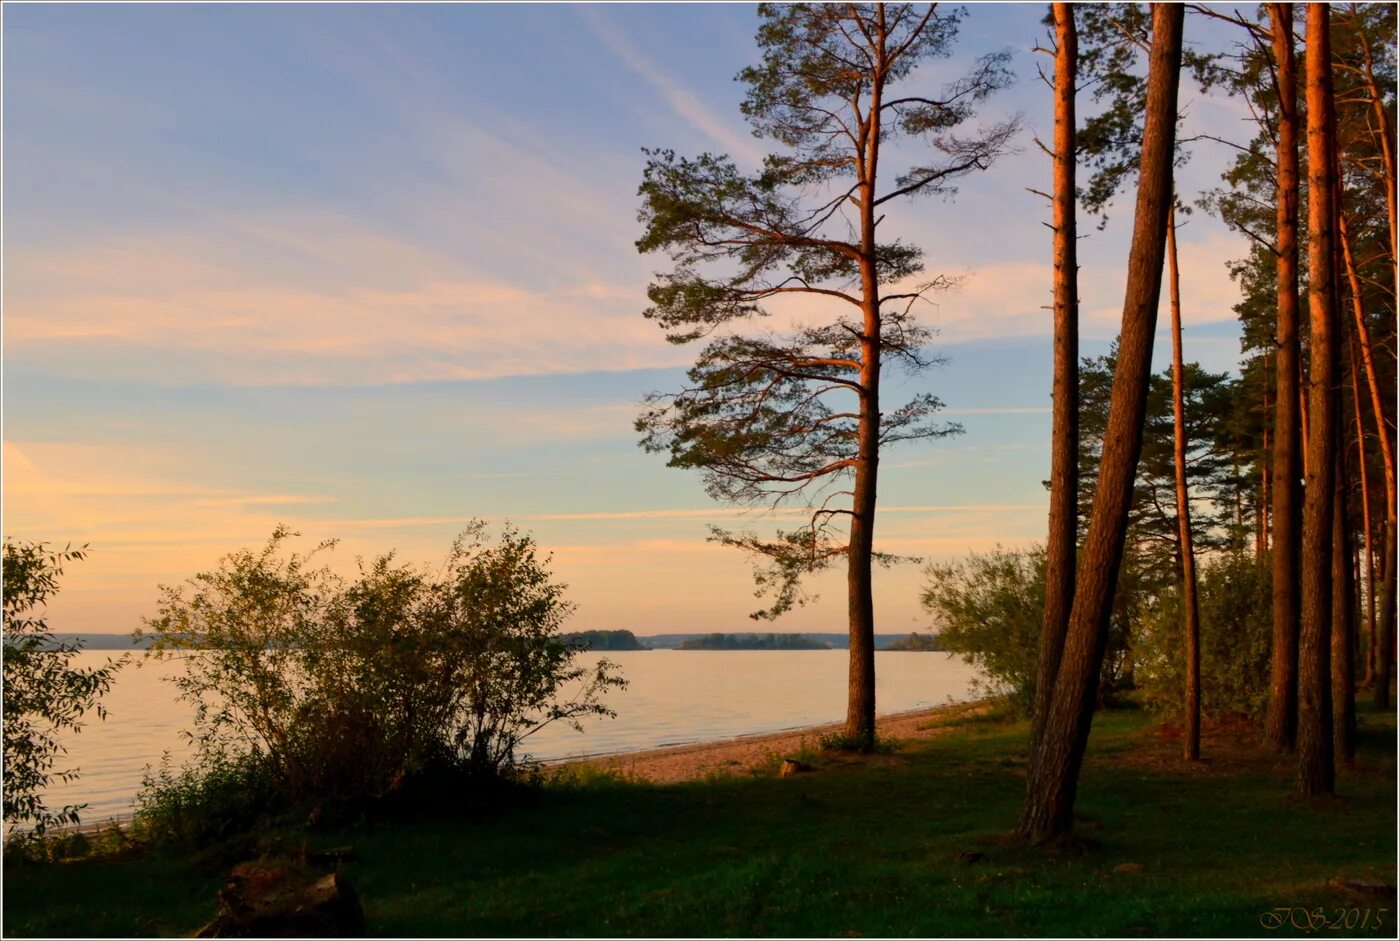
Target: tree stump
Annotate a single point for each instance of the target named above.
(792, 766)
(272, 900)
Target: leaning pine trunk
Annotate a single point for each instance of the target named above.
(1190, 609)
(1053, 774)
(1281, 723)
(1064, 442)
(1316, 771)
(1384, 647)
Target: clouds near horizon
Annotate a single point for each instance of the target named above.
(386, 282)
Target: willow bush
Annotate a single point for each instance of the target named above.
(335, 691)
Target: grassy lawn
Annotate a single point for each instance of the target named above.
(913, 842)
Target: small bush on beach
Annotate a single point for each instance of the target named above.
(317, 690)
(44, 693)
(205, 805)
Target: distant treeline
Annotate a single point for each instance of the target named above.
(832, 640)
(623, 640)
(916, 642)
(104, 641)
(753, 642)
(605, 640)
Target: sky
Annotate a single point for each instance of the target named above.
(369, 271)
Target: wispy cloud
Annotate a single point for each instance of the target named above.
(405, 316)
(725, 512)
(683, 102)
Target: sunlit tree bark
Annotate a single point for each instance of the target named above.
(1053, 774)
(1190, 608)
(1316, 771)
(1281, 722)
(1064, 440)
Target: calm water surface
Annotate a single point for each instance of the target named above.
(674, 696)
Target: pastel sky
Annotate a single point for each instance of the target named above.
(369, 271)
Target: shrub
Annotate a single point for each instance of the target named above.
(1236, 627)
(208, 805)
(44, 693)
(988, 608)
(338, 692)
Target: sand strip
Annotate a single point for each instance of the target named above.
(747, 753)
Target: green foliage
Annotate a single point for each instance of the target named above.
(767, 856)
(219, 800)
(988, 607)
(44, 694)
(768, 415)
(920, 642)
(342, 691)
(1224, 440)
(603, 640)
(1236, 628)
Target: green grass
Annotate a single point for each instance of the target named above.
(861, 846)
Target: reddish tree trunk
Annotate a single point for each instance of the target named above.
(1064, 442)
(1385, 138)
(1053, 774)
(1343, 624)
(1386, 628)
(1369, 575)
(1190, 609)
(860, 701)
(1281, 723)
(1316, 772)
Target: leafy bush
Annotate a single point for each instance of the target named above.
(207, 805)
(44, 693)
(988, 608)
(1236, 626)
(340, 692)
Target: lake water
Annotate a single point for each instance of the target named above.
(674, 696)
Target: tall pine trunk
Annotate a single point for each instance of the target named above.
(1190, 608)
(1281, 723)
(1385, 630)
(1316, 771)
(1064, 435)
(1053, 774)
(860, 702)
(1369, 575)
(1343, 621)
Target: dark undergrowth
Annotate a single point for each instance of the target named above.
(913, 842)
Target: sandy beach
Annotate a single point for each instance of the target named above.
(746, 754)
